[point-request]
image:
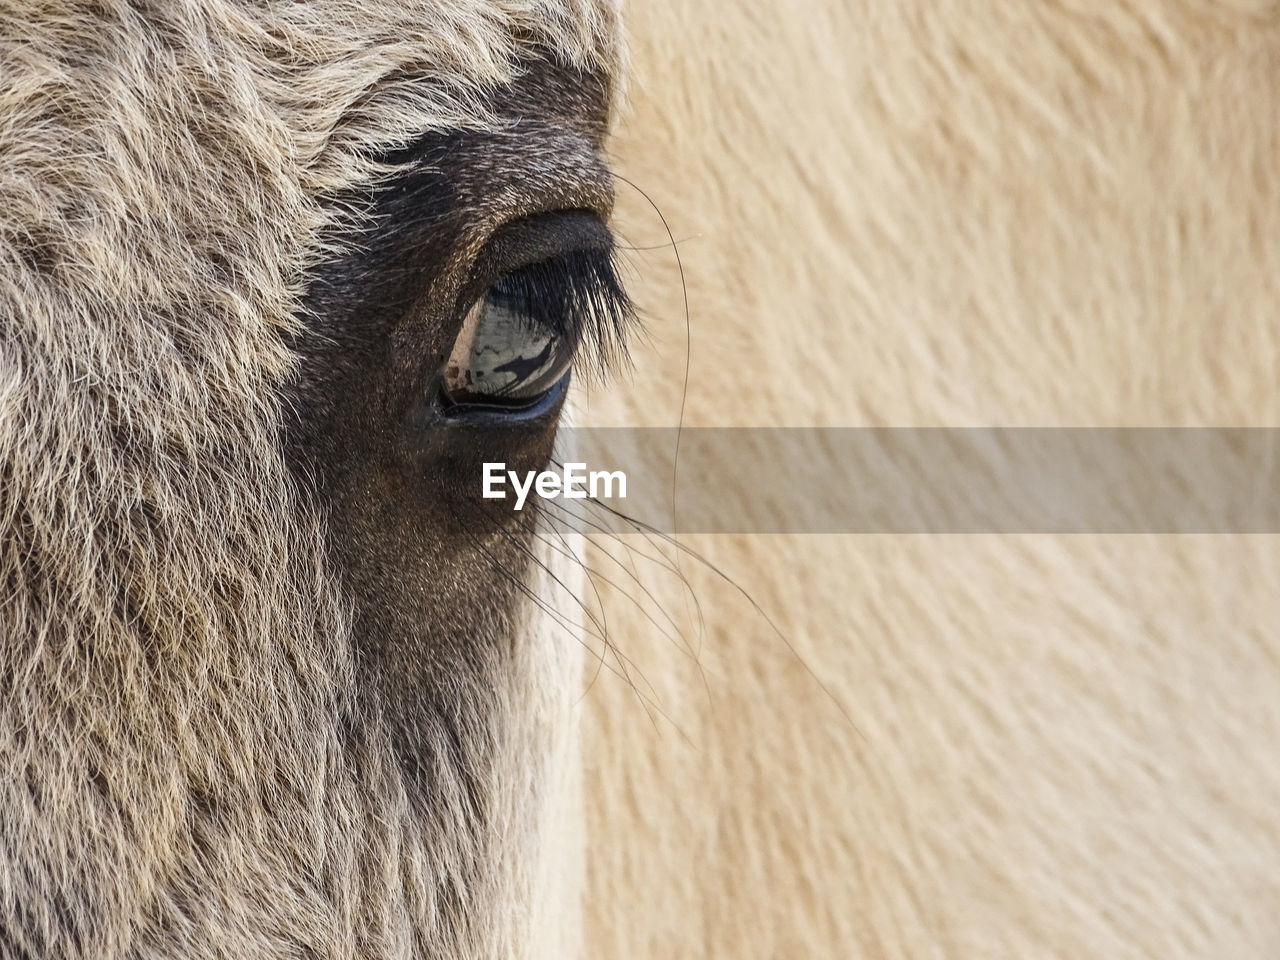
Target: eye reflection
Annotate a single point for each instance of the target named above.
(503, 356)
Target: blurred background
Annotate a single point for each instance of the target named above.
(978, 746)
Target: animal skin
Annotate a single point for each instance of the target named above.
(262, 699)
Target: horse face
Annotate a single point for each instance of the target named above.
(282, 688)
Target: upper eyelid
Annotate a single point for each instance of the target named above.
(524, 241)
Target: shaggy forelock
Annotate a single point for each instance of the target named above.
(167, 623)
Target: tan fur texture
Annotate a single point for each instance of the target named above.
(1046, 214)
(180, 775)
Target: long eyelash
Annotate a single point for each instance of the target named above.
(580, 297)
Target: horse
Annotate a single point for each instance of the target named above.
(281, 683)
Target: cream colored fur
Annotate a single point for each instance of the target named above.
(914, 213)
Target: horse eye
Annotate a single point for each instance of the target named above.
(503, 355)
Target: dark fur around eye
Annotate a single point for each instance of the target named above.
(577, 296)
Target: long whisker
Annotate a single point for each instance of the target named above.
(625, 663)
(649, 530)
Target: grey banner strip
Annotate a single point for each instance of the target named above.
(910, 480)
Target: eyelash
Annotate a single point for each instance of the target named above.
(577, 296)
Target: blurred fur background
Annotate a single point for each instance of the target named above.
(961, 214)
